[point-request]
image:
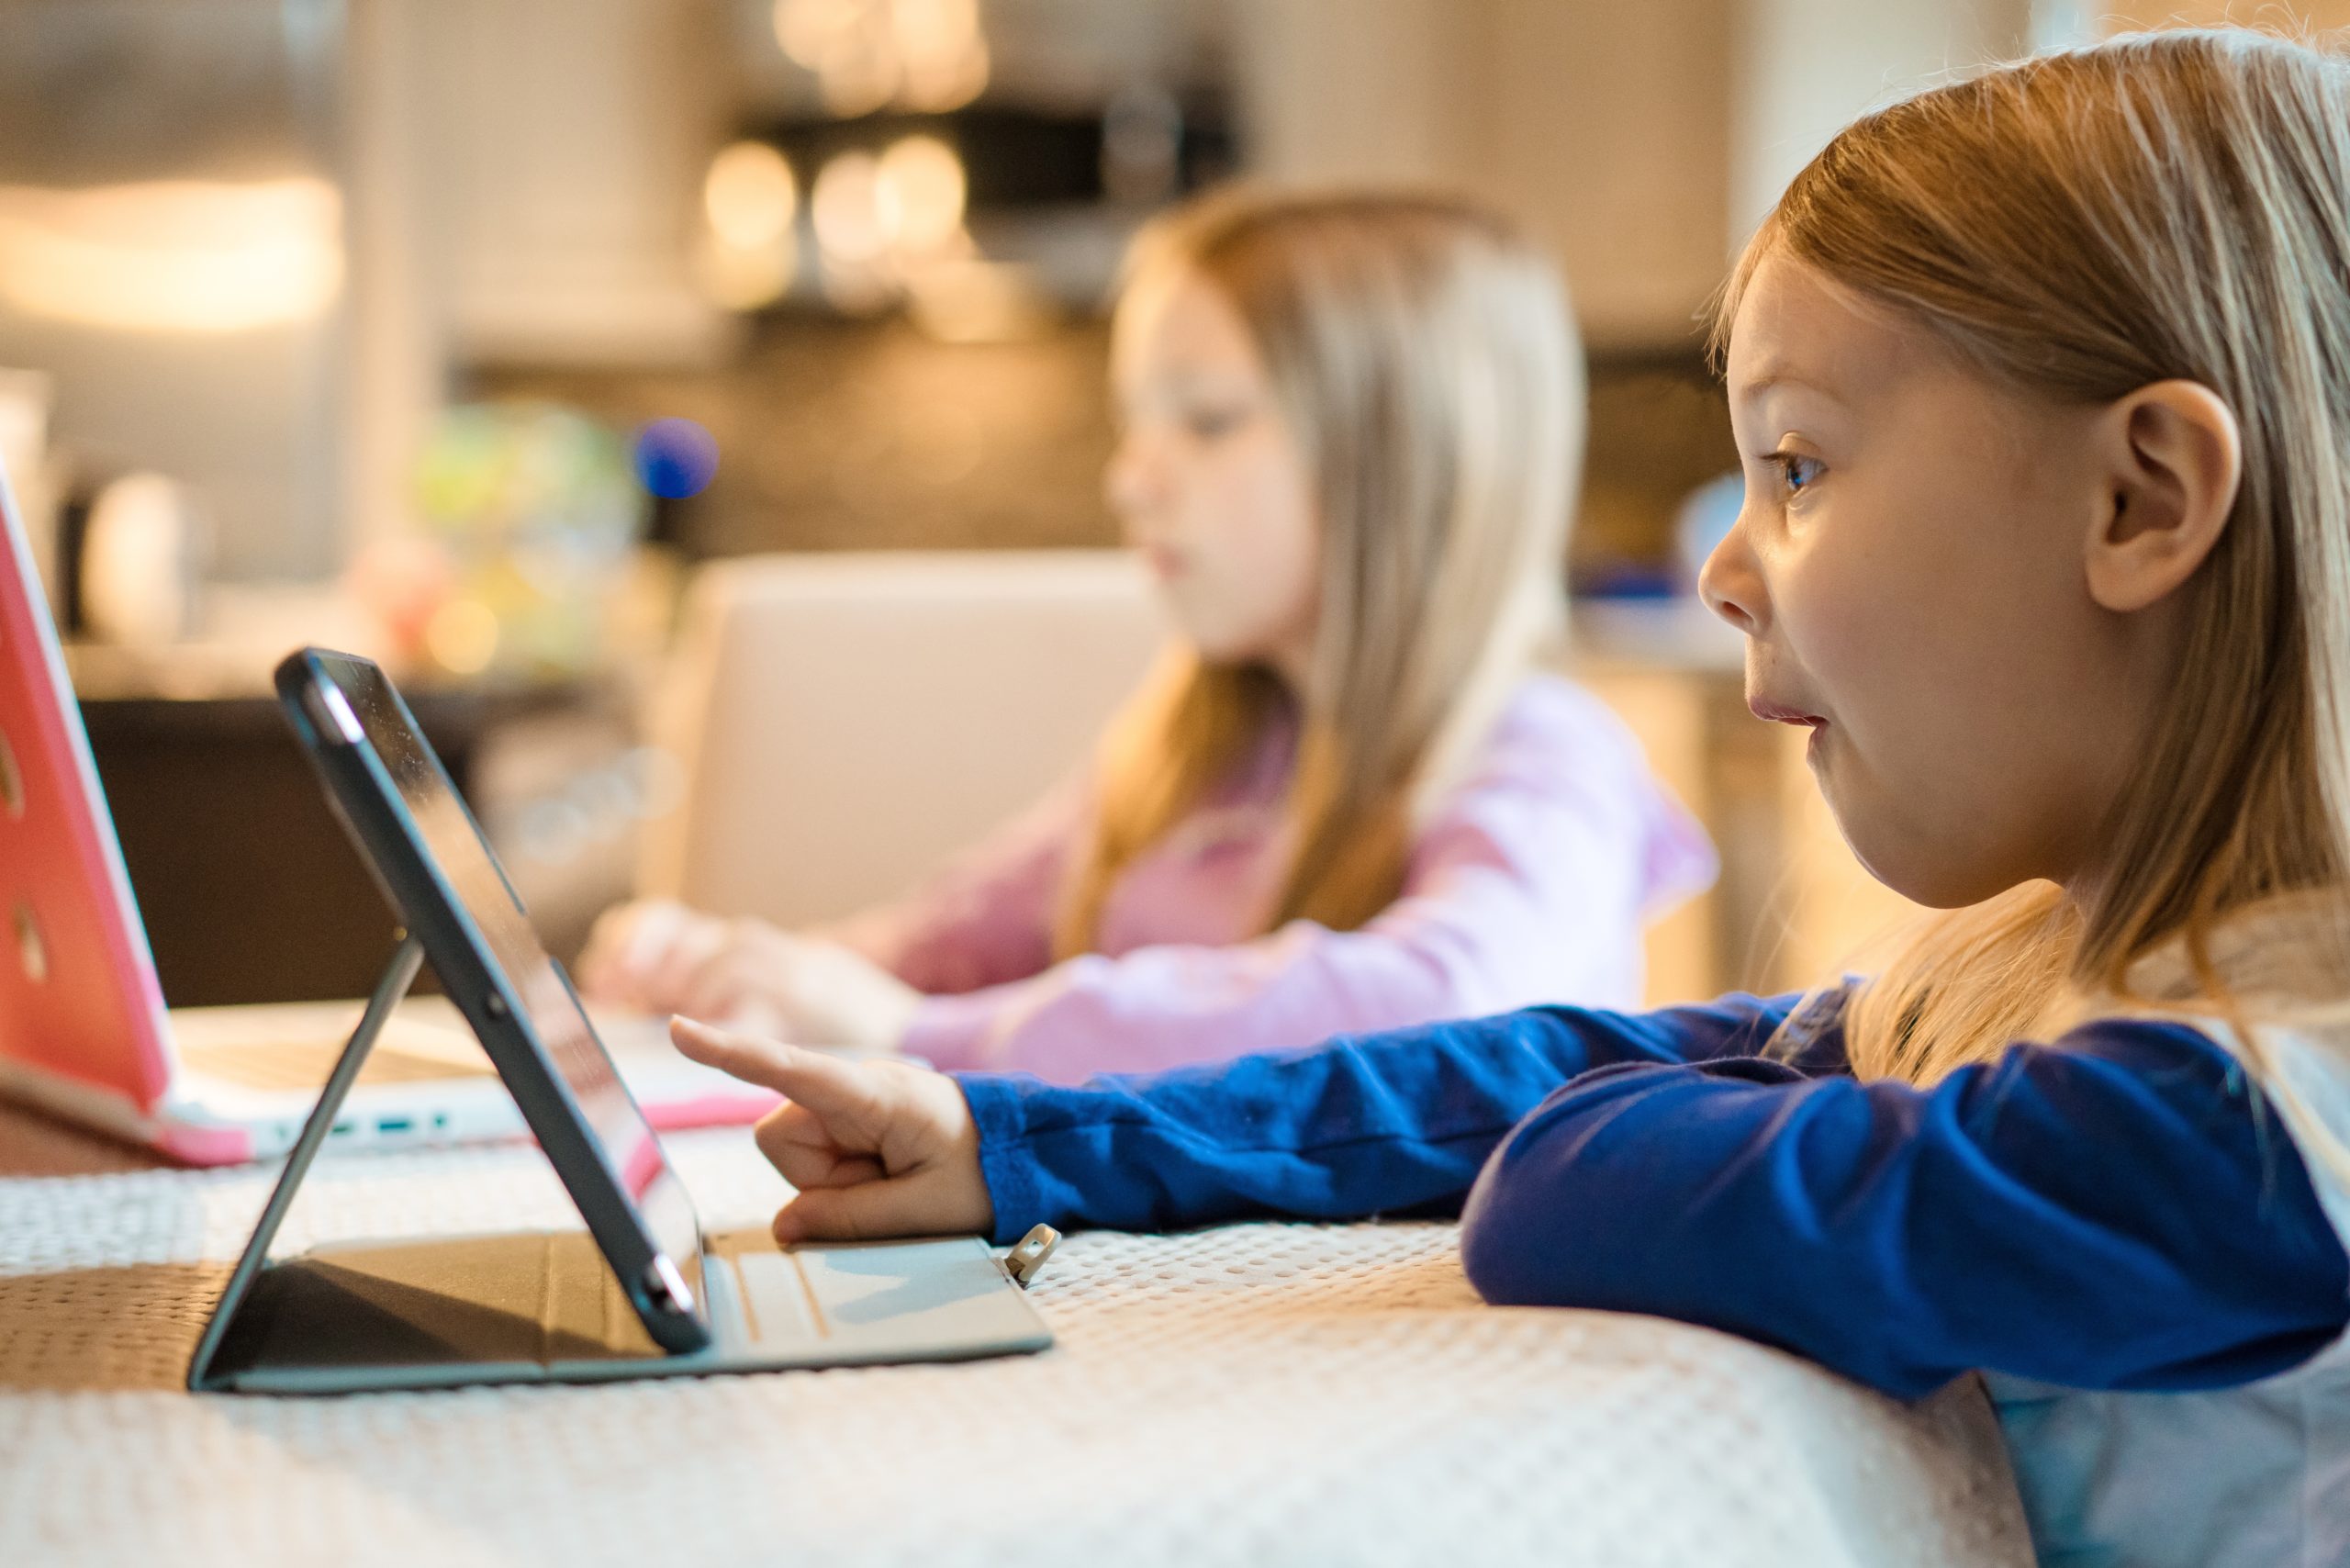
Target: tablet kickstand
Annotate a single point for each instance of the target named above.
(398, 975)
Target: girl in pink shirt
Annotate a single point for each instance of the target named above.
(1348, 801)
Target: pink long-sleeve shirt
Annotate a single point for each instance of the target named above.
(1530, 882)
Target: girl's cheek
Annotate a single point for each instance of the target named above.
(1834, 616)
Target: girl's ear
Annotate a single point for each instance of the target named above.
(2176, 457)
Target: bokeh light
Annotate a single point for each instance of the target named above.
(926, 55)
(943, 56)
(675, 458)
(921, 194)
(462, 636)
(750, 196)
(852, 225)
(749, 249)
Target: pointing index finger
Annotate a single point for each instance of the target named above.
(822, 1084)
(764, 1062)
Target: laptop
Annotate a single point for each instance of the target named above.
(83, 1031)
(641, 1293)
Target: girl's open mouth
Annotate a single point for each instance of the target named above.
(1774, 713)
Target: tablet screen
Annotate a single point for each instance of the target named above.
(465, 863)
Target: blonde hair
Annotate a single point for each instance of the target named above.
(1423, 355)
(2169, 206)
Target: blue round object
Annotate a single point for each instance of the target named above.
(675, 458)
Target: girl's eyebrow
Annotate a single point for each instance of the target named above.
(1212, 385)
(1777, 376)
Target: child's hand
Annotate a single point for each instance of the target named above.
(646, 948)
(663, 958)
(876, 1148)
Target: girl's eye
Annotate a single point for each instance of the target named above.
(1799, 471)
(1207, 424)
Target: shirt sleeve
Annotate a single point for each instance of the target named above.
(1385, 1124)
(2116, 1211)
(1530, 885)
(986, 919)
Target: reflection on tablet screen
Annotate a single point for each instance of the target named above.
(463, 859)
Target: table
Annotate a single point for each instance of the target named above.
(1256, 1394)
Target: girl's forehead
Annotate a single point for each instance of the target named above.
(1797, 327)
(1178, 323)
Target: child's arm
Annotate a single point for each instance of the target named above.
(1528, 885)
(983, 920)
(2108, 1212)
(1380, 1124)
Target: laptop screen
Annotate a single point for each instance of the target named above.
(464, 858)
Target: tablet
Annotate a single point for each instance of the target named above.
(435, 865)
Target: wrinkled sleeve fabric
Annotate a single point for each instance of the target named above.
(2114, 1211)
(1529, 884)
(1393, 1123)
(986, 919)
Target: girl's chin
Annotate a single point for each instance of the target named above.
(1219, 644)
(1911, 859)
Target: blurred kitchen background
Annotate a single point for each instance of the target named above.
(472, 333)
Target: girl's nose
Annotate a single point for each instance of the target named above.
(1133, 480)
(1731, 582)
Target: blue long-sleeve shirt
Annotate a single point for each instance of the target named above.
(2114, 1210)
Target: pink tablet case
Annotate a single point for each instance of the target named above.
(78, 993)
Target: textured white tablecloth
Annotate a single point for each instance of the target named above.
(1257, 1394)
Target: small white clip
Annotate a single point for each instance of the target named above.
(1023, 1261)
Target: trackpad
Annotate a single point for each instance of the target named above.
(926, 1281)
(902, 1298)
(921, 1296)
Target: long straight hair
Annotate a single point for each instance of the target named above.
(1423, 356)
(2165, 206)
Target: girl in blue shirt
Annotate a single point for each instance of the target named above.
(2043, 385)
